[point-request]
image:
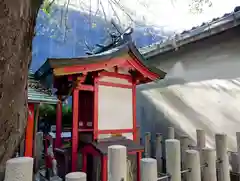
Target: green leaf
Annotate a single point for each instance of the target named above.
(47, 5)
(94, 25)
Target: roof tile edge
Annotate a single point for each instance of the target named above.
(207, 29)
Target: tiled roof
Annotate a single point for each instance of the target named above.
(117, 50)
(217, 25)
(37, 93)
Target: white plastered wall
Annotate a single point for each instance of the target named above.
(115, 109)
(202, 90)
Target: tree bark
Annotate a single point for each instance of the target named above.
(17, 22)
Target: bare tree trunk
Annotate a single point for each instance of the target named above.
(17, 22)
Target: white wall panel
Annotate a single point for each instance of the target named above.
(114, 108)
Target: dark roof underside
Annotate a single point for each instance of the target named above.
(102, 146)
(119, 51)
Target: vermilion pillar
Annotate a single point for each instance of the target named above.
(75, 113)
(84, 162)
(58, 141)
(29, 131)
(134, 111)
(104, 168)
(139, 157)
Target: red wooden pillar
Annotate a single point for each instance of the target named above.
(104, 168)
(58, 141)
(75, 112)
(134, 104)
(29, 131)
(84, 162)
(139, 156)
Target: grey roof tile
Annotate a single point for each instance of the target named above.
(216, 25)
(39, 94)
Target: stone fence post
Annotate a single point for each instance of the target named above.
(173, 159)
(149, 169)
(117, 163)
(19, 169)
(76, 176)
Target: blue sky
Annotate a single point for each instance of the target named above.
(164, 16)
(167, 15)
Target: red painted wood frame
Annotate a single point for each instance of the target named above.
(69, 70)
(98, 82)
(75, 112)
(58, 141)
(139, 157)
(113, 62)
(90, 150)
(29, 132)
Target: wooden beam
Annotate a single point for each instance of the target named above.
(85, 87)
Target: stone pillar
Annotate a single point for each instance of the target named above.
(201, 140)
(193, 163)
(149, 169)
(117, 163)
(222, 157)
(159, 152)
(76, 176)
(209, 159)
(173, 159)
(147, 145)
(238, 150)
(171, 133)
(19, 169)
(234, 161)
(39, 149)
(184, 144)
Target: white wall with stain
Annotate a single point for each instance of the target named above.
(201, 90)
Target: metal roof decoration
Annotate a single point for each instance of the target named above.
(217, 25)
(39, 94)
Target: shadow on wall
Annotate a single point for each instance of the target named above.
(210, 105)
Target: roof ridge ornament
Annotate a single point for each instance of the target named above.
(116, 39)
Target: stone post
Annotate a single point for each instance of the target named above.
(117, 163)
(19, 169)
(201, 142)
(171, 133)
(39, 150)
(193, 163)
(147, 145)
(222, 157)
(238, 150)
(234, 161)
(76, 176)
(159, 152)
(149, 169)
(173, 159)
(184, 144)
(209, 169)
